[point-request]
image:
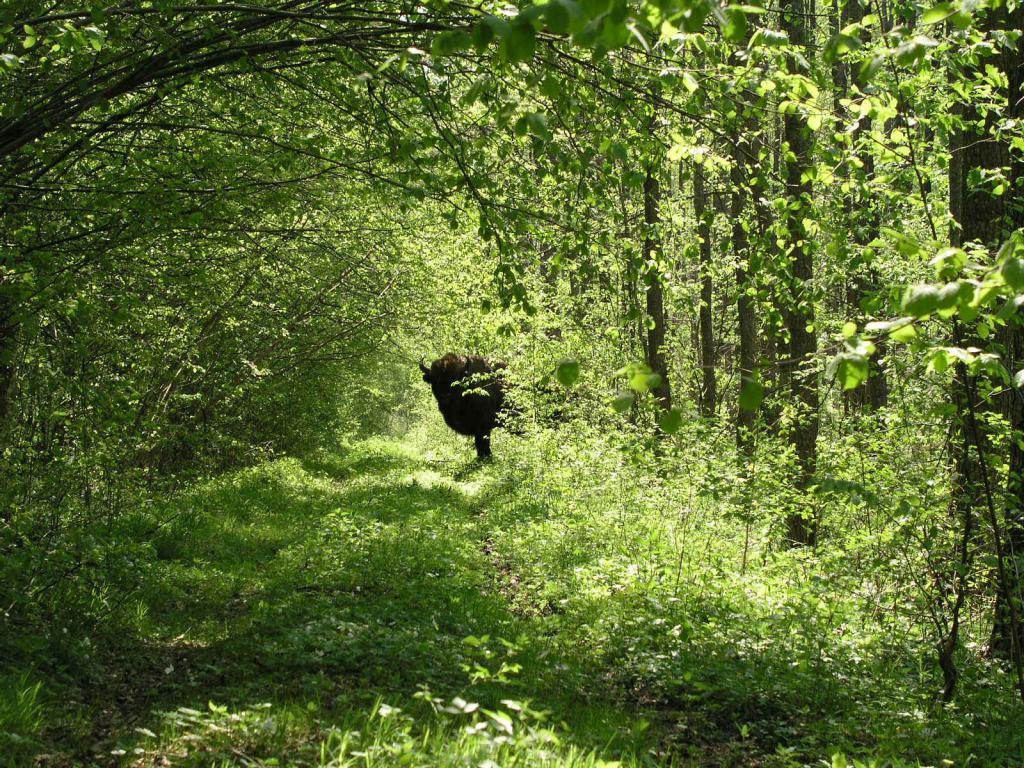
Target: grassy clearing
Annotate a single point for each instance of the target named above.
(392, 605)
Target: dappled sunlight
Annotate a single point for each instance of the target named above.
(315, 589)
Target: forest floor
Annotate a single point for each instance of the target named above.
(351, 610)
(389, 605)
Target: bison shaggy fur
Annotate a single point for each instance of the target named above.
(470, 394)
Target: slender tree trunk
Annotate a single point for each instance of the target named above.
(709, 387)
(8, 352)
(744, 127)
(745, 311)
(633, 341)
(655, 291)
(801, 527)
(860, 214)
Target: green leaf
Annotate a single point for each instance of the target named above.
(870, 68)
(641, 379)
(671, 421)
(921, 300)
(938, 13)
(483, 35)
(949, 294)
(735, 28)
(903, 333)
(557, 18)
(447, 43)
(614, 33)
(751, 393)
(1012, 272)
(948, 262)
(550, 87)
(623, 401)
(769, 38)
(567, 372)
(592, 8)
(838, 45)
(907, 245)
(693, 16)
(520, 43)
(913, 51)
(852, 370)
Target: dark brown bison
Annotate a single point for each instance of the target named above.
(470, 394)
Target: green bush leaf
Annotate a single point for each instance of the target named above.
(567, 372)
(520, 43)
(671, 421)
(921, 300)
(1012, 272)
(623, 401)
(751, 393)
(448, 43)
(852, 370)
(938, 13)
(903, 333)
(483, 35)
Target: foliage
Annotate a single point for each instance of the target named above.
(756, 272)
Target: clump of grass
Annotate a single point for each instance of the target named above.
(21, 717)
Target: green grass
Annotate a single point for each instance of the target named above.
(288, 606)
(21, 717)
(389, 605)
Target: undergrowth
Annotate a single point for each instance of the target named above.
(570, 603)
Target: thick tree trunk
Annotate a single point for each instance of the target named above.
(655, 292)
(988, 219)
(801, 527)
(1008, 628)
(709, 386)
(1007, 638)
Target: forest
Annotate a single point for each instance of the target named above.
(506, 383)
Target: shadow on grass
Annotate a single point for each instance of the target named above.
(330, 583)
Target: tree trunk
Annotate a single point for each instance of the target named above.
(709, 387)
(801, 527)
(656, 322)
(1008, 629)
(745, 311)
(744, 126)
(8, 351)
(861, 217)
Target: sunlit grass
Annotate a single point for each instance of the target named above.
(375, 606)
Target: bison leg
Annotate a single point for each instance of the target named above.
(483, 445)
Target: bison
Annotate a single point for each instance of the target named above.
(470, 393)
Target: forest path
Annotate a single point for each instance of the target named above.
(292, 600)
